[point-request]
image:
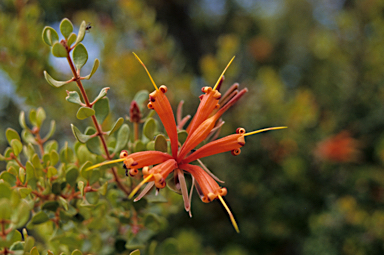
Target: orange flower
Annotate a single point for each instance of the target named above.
(201, 126)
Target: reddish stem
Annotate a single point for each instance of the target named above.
(99, 132)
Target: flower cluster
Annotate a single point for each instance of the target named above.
(157, 166)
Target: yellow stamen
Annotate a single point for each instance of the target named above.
(105, 163)
(263, 130)
(225, 69)
(138, 186)
(150, 77)
(230, 214)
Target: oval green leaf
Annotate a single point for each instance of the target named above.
(17, 147)
(81, 34)
(101, 108)
(52, 129)
(54, 82)
(50, 35)
(59, 51)
(161, 143)
(95, 66)
(80, 56)
(150, 128)
(39, 218)
(71, 39)
(11, 134)
(73, 97)
(84, 112)
(116, 126)
(66, 27)
(122, 138)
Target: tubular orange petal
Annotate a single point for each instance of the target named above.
(224, 144)
(147, 158)
(209, 101)
(159, 102)
(206, 183)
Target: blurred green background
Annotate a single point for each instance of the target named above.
(314, 66)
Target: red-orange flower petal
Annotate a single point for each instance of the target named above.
(159, 102)
(145, 158)
(209, 101)
(228, 143)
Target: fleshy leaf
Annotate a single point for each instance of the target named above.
(116, 126)
(81, 34)
(39, 218)
(40, 116)
(71, 39)
(135, 252)
(84, 112)
(5, 190)
(63, 202)
(11, 134)
(34, 251)
(24, 192)
(32, 117)
(50, 206)
(22, 122)
(122, 138)
(150, 128)
(95, 66)
(28, 137)
(141, 98)
(103, 189)
(80, 56)
(101, 107)
(80, 136)
(71, 176)
(8, 177)
(80, 185)
(103, 93)
(53, 82)
(182, 136)
(50, 35)
(76, 252)
(66, 27)
(93, 144)
(92, 197)
(59, 51)
(161, 143)
(17, 147)
(73, 97)
(138, 146)
(51, 130)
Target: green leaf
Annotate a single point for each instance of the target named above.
(22, 174)
(52, 129)
(50, 253)
(138, 146)
(40, 116)
(59, 51)
(182, 136)
(29, 150)
(74, 97)
(66, 154)
(50, 206)
(161, 143)
(8, 177)
(50, 35)
(81, 34)
(95, 176)
(54, 82)
(22, 122)
(150, 128)
(28, 137)
(23, 215)
(34, 251)
(169, 247)
(151, 146)
(96, 64)
(71, 39)
(24, 192)
(51, 146)
(66, 27)
(101, 108)
(52, 171)
(76, 252)
(36, 162)
(63, 202)
(32, 117)
(71, 176)
(122, 138)
(86, 174)
(84, 112)
(80, 136)
(103, 93)
(17, 147)
(39, 218)
(135, 252)
(29, 171)
(93, 144)
(54, 157)
(92, 197)
(5, 209)
(12, 237)
(29, 242)
(80, 56)
(103, 189)
(11, 134)
(80, 185)
(151, 221)
(116, 126)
